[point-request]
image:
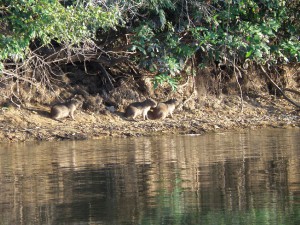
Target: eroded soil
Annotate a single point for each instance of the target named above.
(215, 115)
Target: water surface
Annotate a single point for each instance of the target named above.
(249, 177)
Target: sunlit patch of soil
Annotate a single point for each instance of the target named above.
(34, 123)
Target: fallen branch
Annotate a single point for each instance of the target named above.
(107, 76)
(235, 68)
(291, 90)
(279, 89)
(194, 86)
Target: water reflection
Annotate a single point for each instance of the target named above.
(231, 178)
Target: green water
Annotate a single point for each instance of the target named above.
(249, 177)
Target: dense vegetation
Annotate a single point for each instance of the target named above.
(166, 39)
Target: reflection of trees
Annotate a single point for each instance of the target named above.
(129, 181)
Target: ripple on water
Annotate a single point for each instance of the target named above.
(249, 177)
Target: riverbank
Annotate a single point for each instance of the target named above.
(215, 115)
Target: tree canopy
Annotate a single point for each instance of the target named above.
(160, 36)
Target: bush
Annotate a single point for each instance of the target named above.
(164, 37)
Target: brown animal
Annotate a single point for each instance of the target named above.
(62, 110)
(163, 109)
(139, 108)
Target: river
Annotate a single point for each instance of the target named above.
(248, 177)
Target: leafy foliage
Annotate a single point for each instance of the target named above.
(265, 31)
(164, 35)
(47, 20)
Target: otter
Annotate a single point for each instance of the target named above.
(62, 110)
(163, 109)
(139, 108)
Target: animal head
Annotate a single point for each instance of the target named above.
(173, 101)
(78, 103)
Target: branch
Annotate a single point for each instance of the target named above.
(194, 85)
(64, 57)
(291, 90)
(278, 88)
(235, 71)
(6, 72)
(107, 75)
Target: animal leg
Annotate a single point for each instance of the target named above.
(72, 115)
(145, 116)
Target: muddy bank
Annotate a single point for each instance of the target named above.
(215, 115)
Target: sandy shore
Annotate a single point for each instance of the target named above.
(212, 116)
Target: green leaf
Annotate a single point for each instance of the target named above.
(248, 54)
